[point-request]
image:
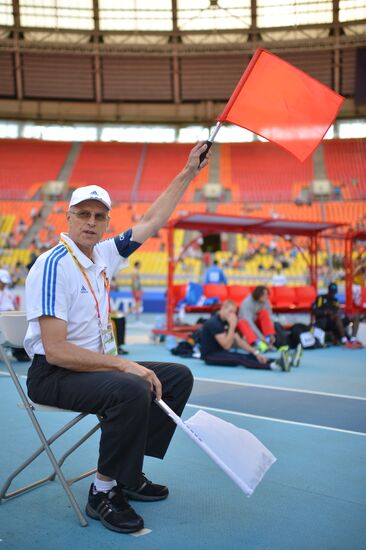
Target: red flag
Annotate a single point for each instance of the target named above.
(282, 104)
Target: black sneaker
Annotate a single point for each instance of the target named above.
(113, 510)
(147, 491)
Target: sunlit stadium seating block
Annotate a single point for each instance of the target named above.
(11, 256)
(111, 165)
(27, 164)
(15, 211)
(345, 164)
(7, 222)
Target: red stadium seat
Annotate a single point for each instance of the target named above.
(304, 296)
(179, 292)
(215, 291)
(363, 297)
(283, 297)
(238, 293)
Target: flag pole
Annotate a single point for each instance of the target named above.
(210, 140)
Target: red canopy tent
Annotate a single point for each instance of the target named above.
(208, 224)
(352, 237)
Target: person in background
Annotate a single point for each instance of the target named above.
(8, 303)
(119, 322)
(279, 279)
(330, 318)
(219, 335)
(215, 274)
(255, 319)
(359, 281)
(7, 300)
(19, 274)
(136, 290)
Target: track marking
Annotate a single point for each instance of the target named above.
(281, 388)
(244, 384)
(235, 413)
(227, 411)
(141, 533)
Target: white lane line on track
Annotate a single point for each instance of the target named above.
(235, 413)
(281, 388)
(244, 384)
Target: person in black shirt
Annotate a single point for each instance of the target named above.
(218, 336)
(330, 318)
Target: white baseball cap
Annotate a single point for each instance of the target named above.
(5, 277)
(91, 192)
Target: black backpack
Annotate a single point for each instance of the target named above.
(183, 349)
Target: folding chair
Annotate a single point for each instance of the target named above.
(13, 326)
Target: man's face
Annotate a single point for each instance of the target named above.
(227, 311)
(87, 221)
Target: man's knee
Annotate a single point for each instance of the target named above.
(184, 374)
(132, 388)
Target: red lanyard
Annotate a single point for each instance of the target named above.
(106, 282)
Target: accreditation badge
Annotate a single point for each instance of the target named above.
(108, 341)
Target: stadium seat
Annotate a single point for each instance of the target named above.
(179, 292)
(304, 296)
(212, 290)
(363, 297)
(283, 297)
(238, 293)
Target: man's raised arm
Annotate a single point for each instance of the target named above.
(160, 211)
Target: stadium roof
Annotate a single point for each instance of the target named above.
(217, 223)
(173, 61)
(165, 15)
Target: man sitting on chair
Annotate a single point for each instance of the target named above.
(75, 363)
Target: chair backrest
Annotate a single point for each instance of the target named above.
(213, 290)
(238, 293)
(363, 296)
(179, 292)
(283, 296)
(13, 326)
(305, 296)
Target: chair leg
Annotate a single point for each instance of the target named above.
(45, 445)
(71, 450)
(58, 471)
(3, 491)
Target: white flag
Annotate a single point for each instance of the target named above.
(236, 451)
